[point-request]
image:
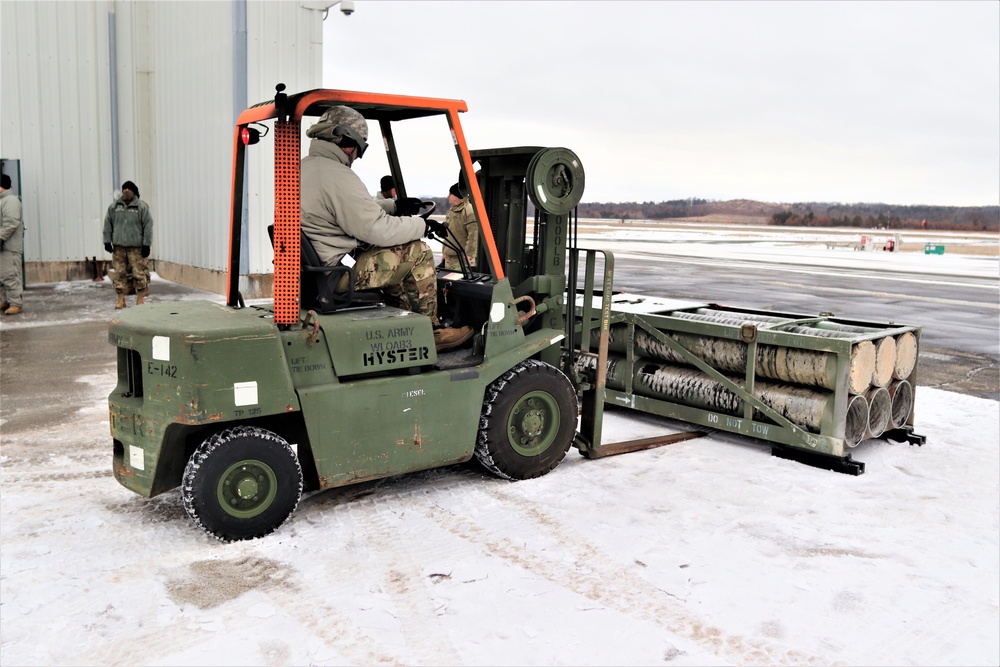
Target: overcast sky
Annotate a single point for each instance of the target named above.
(896, 102)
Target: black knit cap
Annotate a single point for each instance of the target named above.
(387, 183)
(129, 185)
(456, 191)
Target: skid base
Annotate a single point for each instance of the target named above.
(842, 464)
(905, 435)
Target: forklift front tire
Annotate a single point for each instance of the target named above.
(528, 421)
(241, 483)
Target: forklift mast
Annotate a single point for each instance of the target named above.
(539, 259)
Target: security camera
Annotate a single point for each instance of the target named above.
(347, 7)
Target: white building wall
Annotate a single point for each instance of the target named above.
(191, 146)
(291, 52)
(54, 115)
(176, 112)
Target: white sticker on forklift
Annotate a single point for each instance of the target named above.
(161, 348)
(245, 393)
(496, 312)
(135, 458)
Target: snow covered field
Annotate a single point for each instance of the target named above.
(705, 552)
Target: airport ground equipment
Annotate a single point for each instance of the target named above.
(244, 407)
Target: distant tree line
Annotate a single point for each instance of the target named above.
(674, 208)
(808, 214)
(805, 214)
(883, 216)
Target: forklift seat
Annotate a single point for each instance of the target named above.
(322, 290)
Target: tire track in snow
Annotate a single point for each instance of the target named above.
(402, 576)
(201, 584)
(605, 582)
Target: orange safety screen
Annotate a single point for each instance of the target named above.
(287, 266)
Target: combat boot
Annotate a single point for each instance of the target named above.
(140, 297)
(121, 301)
(447, 339)
(13, 310)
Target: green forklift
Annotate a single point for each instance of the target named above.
(245, 407)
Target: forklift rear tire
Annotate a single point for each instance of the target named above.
(528, 421)
(241, 483)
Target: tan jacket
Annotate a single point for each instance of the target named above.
(462, 228)
(337, 212)
(11, 229)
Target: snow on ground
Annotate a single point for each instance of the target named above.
(705, 552)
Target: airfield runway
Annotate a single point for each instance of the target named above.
(954, 298)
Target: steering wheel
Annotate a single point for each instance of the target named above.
(426, 208)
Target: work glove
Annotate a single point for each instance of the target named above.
(408, 206)
(109, 248)
(145, 251)
(435, 229)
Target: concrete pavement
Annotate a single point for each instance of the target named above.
(53, 353)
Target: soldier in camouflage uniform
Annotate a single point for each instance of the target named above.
(340, 218)
(405, 273)
(11, 249)
(462, 230)
(128, 235)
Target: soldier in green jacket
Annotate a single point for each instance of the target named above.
(11, 249)
(128, 235)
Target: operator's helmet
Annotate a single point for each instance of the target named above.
(339, 123)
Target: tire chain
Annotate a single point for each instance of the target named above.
(494, 390)
(212, 444)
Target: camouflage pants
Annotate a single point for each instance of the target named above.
(10, 278)
(405, 274)
(131, 269)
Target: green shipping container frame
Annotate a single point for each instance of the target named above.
(808, 392)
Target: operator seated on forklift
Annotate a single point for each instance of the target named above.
(339, 217)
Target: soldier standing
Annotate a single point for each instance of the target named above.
(462, 229)
(11, 249)
(128, 235)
